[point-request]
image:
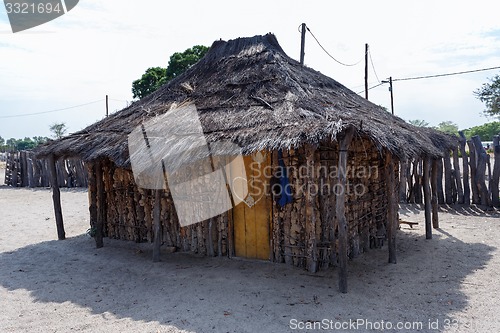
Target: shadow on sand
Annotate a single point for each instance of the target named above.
(220, 295)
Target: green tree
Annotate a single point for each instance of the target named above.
(40, 139)
(58, 130)
(155, 77)
(180, 62)
(149, 82)
(448, 127)
(2, 141)
(485, 131)
(25, 144)
(489, 94)
(418, 122)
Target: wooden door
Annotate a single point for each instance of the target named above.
(252, 216)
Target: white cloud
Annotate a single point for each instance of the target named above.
(100, 47)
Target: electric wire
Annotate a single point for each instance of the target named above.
(328, 53)
(49, 111)
(446, 74)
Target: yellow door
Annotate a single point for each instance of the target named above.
(252, 216)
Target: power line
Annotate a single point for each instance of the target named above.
(371, 61)
(446, 74)
(375, 86)
(328, 53)
(49, 111)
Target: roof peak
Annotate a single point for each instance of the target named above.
(245, 46)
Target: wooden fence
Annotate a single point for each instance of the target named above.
(471, 180)
(23, 169)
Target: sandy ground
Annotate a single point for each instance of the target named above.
(447, 284)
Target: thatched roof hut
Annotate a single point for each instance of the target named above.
(248, 92)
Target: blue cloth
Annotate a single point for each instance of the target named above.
(286, 189)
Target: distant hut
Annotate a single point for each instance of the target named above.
(284, 116)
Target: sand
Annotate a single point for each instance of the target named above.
(447, 284)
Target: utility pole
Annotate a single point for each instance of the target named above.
(366, 70)
(392, 94)
(302, 43)
(107, 106)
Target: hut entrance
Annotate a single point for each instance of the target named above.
(252, 217)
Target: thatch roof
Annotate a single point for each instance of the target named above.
(248, 91)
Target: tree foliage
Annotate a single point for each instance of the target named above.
(58, 130)
(150, 81)
(448, 127)
(485, 131)
(155, 77)
(419, 123)
(13, 144)
(489, 94)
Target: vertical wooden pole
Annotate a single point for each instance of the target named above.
(392, 95)
(310, 227)
(434, 190)
(366, 71)
(392, 208)
(465, 168)
(56, 198)
(481, 171)
(495, 201)
(92, 194)
(458, 177)
(340, 210)
(473, 168)
(107, 108)
(427, 199)
(302, 43)
(157, 226)
(448, 187)
(402, 180)
(101, 202)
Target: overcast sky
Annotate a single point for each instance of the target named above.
(100, 47)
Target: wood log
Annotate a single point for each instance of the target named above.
(448, 179)
(157, 234)
(310, 227)
(458, 178)
(340, 210)
(440, 181)
(481, 156)
(434, 190)
(56, 198)
(473, 171)
(402, 180)
(427, 199)
(101, 202)
(465, 168)
(31, 180)
(92, 194)
(494, 183)
(392, 207)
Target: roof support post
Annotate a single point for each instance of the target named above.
(101, 205)
(56, 198)
(434, 200)
(427, 199)
(157, 226)
(340, 209)
(392, 207)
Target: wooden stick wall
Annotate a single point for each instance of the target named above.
(472, 181)
(23, 169)
(303, 233)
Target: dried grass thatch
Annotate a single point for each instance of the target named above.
(249, 92)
